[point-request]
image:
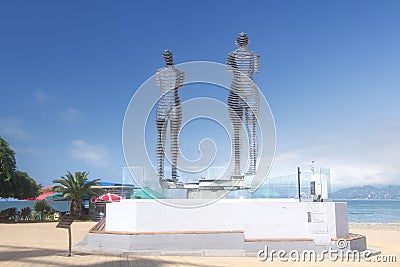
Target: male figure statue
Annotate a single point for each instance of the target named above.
(169, 79)
(244, 100)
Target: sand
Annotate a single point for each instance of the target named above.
(42, 244)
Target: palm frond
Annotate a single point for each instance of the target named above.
(77, 185)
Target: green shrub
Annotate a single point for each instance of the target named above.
(26, 214)
(41, 207)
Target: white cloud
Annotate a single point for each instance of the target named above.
(70, 115)
(13, 128)
(370, 156)
(95, 155)
(40, 96)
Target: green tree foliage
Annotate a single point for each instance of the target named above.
(25, 186)
(75, 187)
(12, 212)
(26, 213)
(41, 207)
(7, 169)
(14, 183)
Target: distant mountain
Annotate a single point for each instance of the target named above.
(368, 192)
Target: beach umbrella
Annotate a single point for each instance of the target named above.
(147, 193)
(55, 196)
(110, 197)
(45, 195)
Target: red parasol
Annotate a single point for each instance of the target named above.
(108, 198)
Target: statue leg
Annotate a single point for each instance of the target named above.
(236, 116)
(176, 121)
(162, 124)
(251, 123)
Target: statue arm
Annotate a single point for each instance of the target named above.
(182, 79)
(230, 62)
(257, 63)
(157, 78)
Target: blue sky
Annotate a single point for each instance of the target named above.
(329, 70)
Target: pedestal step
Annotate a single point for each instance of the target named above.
(171, 243)
(253, 246)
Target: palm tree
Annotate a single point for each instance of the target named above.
(76, 186)
(26, 213)
(41, 207)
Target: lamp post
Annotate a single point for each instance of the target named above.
(298, 182)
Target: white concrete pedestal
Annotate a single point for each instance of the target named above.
(228, 227)
(258, 218)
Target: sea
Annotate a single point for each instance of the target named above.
(373, 211)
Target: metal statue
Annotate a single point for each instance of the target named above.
(169, 109)
(244, 100)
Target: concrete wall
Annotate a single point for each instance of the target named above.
(342, 224)
(326, 220)
(258, 218)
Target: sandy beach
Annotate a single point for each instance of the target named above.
(42, 244)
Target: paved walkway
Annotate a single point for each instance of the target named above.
(42, 244)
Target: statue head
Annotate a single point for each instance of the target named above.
(242, 40)
(168, 58)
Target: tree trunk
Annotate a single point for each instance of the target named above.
(75, 208)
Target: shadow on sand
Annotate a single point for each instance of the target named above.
(54, 257)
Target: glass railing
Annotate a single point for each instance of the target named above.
(144, 181)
